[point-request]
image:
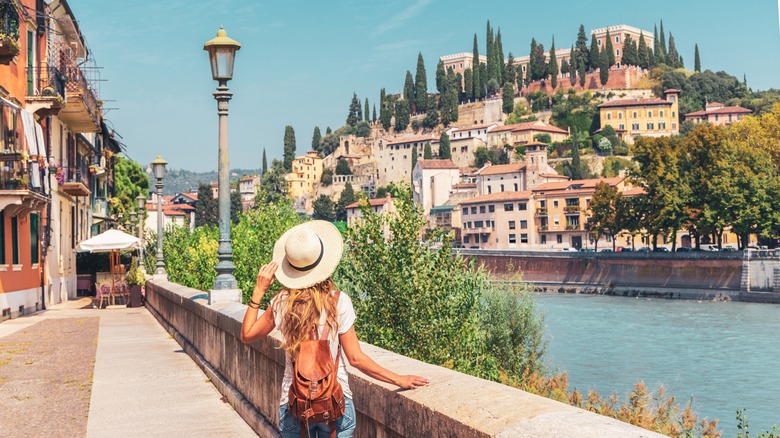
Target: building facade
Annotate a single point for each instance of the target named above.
(305, 175)
(717, 113)
(648, 117)
(523, 133)
(432, 182)
(618, 36)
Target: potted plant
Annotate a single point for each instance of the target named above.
(135, 281)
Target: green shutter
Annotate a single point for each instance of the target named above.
(15, 240)
(35, 243)
(2, 237)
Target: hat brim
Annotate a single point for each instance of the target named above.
(332, 244)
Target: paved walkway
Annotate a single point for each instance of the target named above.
(143, 384)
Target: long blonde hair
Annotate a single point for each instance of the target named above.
(302, 312)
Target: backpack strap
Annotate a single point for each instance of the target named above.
(326, 330)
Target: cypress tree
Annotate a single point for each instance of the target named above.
(373, 116)
(409, 90)
(509, 69)
(358, 110)
(499, 58)
(366, 114)
(673, 56)
(328, 130)
(604, 67)
(508, 98)
(532, 60)
(482, 80)
(642, 52)
(658, 52)
(316, 138)
(582, 71)
(553, 66)
(629, 51)
(696, 60)
(432, 117)
(401, 115)
(445, 153)
(206, 207)
(420, 86)
(414, 156)
(427, 154)
(610, 51)
(265, 164)
(468, 83)
(490, 53)
(475, 91)
(581, 45)
(354, 109)
(520, 80)
(385, 111)
(573, 67)
(441, 75)
(664, 53)
(289, 147)
(347, 197)
(593, 56)
(575, 167)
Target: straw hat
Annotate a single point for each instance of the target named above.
(307, 254)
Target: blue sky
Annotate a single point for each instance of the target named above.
(301, 61)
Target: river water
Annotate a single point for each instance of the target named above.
(723, 354)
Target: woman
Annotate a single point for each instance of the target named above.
(303, 261)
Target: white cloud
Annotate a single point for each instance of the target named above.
(402, 17)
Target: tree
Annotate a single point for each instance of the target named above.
(273, 185)
(431, 119)
(610, 51)
(537, 61)
(347, 197)
(630, 54)
(493, 155)
(420, 86)
(477, 80)
(576, 169)
(662, 43)
(427, 154)
(236, 206)
(643, 53)
(602, 212)
(553, 66)
(408, 93)
(581, 45)
(594, 57)
(206, 208)
(414, 158)
(658, 52)
(402, 116)
(468, 84)
(490, 54)
(445, 153)
(696, 59)
(672, 56)
(604, 68)
(265, 164)
(316, 138)
(342, 167)
(363, 129)
(326, 178)
(323, 209)
(499, 55)
(508, 98)
(366, 114)
(449, 100)
(327, 130)
(385, 111)
(129, 182)
(510, 75)
(582, 71)
(441, 75)
(289, 147)
(354, 111)
(373, 115)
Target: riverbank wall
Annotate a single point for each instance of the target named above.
(739, 275)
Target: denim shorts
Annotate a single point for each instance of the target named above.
(290, 427)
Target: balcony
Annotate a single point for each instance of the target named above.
(75, 181)
(82, 109)
(9, 32)
(571, 210)
(542, 227)
(573, 227)
(100, 207)
(21, 184)
(541, 211)
(45, 91)
(480, 230)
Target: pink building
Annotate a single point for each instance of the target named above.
(498, 221)
(718, 114)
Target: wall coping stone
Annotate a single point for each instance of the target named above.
(454, 404)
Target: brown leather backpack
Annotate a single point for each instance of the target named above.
(315, 393)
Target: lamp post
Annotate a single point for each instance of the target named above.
(141, 201)
(222, 51)
(132, 222)
(158, 168)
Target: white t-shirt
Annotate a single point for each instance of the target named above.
(346, 318)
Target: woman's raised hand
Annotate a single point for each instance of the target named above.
(265, 277)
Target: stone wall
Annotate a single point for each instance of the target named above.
(453, 405)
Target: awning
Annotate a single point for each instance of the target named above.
(108, 241)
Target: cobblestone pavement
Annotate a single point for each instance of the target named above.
(46, 378)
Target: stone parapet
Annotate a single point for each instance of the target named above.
(454, 404)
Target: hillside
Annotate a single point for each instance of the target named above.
(182, 181)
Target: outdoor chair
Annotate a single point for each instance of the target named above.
(102, 294)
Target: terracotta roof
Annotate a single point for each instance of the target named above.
(173, 212)
(553, 175)
(633, 191)
(373, 202)
(709, 104)
(468, 170)
(437, 164)
(498, 197)
(583, 184)
(465, 186)
(672, 90)
(539, 126)
(503, 128)
(634, 102)
(721, 110)
(502, 168)
(412, 139)
(180, 207)
(193, 196)
(473, 127)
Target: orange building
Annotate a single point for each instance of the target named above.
(648, 117)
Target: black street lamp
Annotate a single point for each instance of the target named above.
(158, 169)
(141, 201)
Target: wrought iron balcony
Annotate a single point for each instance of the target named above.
(573, 227)
(9, 32)
(571, 210)
(45, 90)
(21, 183)
(76, 180)
(541, 211)
(542, 227)
(82, 109)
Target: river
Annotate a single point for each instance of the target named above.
(723, 354)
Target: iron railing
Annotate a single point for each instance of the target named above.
(17, 174)
(78, 173)
(49, 82)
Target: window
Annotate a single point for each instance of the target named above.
(515, 186)
(465, 211)
(599, 42)
(620, 115)
(650, 126)
(491, 208)
(522, 206)
(502, 187)
(661, 125)
(716, 117)
(15, 240)
(609, 116)
(635, 126)
(672, 114)
(511, 225)
(555, 203)
(544, 239)
(508, 207)
(559, 237)
(524, 238)
(660, 113)
(617, 52)
(481, 208)
(617, 39)
(512, 238)
(473, 210)
(490, 190)
(621, 126)
(523, 225)
(671, 98)
(635, 114)
(34, 240)
(479, 224)
(466, 239)
(649, 114)
(542, 203)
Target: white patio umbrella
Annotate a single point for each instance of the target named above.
(108, 241)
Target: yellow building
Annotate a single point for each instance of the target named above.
(305, 175)
(649, 117)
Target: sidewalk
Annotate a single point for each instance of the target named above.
(143, 384)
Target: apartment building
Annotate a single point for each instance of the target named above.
(305, 175)
(501, 220)
(394, 157)
(560, 211)
(523, 133)
(648, 117)
(520, 176)
(247, 187)
(717, 113)
(432, 182)
(381, 206)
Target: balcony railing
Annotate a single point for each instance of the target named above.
(75, 180)
(49, 82)
(571, 209)
(18, 174)
(100, 207)
(82, 110)
(573, 227)
(542, 227)
(9, 32)
(479, 230)
(541, 211)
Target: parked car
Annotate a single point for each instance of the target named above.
(587, 250)
(684, 249)
(644, 249)
(729, 248)
(567, 249)
(607, 250)
(625, 249)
